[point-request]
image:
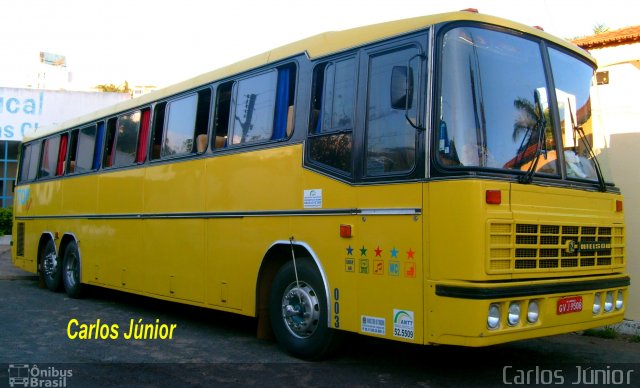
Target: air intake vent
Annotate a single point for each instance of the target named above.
(520, 247)
(20, 239)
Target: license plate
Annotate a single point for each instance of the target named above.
(572, 304)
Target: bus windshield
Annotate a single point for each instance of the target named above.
(495, 109)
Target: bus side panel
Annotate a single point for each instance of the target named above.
(249, 212)
(175, 247)
(118, 242)
(174, 258)
(80, 195)
(375, 276)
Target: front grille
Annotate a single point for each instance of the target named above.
(519, 247)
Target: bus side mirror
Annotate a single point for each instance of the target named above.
(401, 87)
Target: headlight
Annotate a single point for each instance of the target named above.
(597, 303)
(493, 318)
(608, 302)
(620, 300)
(514, 314)
(533, 312)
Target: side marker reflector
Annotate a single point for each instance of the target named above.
(493, 197)
(345, 231)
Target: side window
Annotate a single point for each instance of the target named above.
(180, 126)
(255, 109)
(221, 121)
(180, 123)
(126, 139)
(143, 139)
(158, 127)
(390, 138)
(332, 114)
(252, 108)
(82, 149)
(108, 155)
(49, 162)
(29, 162)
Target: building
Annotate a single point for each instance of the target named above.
(615, 110)
(26, 111)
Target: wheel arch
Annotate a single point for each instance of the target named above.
(279, 253)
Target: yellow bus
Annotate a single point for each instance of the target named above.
(414, 180)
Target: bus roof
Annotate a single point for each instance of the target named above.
(316, 46)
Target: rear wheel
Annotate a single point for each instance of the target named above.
(51, 267)
(298, 311)
(71, 271)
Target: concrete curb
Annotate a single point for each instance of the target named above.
(628, 327)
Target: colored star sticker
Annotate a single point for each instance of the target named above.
(410, 253)
(350, 250)
(363, 251)
(394, 253)
(378, 251)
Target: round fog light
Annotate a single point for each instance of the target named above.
(493, 319)
(608, 302)
(619, 300)
(533, 312)
(514, 314)
(597, 303)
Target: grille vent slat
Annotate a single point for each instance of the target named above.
(517, 247)
(20, 239)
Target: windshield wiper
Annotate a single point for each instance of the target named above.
(540, 126)
(602, 186)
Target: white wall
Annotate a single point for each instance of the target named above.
(616, 110)
(24, 111)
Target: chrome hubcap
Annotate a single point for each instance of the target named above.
(50, 264)
(300, 309)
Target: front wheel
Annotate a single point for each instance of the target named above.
(71, 271)
(299, 313)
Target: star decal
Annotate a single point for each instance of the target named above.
(378, 251)
(363, 251)
(350, 251)
(410, 253)
(394, 253)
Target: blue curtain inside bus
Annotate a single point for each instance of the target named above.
(99, 142)
(282, 104)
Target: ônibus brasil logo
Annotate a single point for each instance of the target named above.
(25, 375)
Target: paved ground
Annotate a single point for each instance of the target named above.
(7, 270)
(213, 348)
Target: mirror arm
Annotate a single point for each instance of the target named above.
(406, 103)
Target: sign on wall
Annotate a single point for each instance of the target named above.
(25, 111)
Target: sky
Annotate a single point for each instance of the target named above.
(160, 42)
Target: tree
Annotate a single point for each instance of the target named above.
(124, 88)
(600, 28)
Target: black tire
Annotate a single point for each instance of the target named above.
(71, 271)
(298, 311)
(51, 267)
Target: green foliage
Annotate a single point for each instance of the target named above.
(6, 221)
(600, 28)
(124, 88)
(603, 332)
